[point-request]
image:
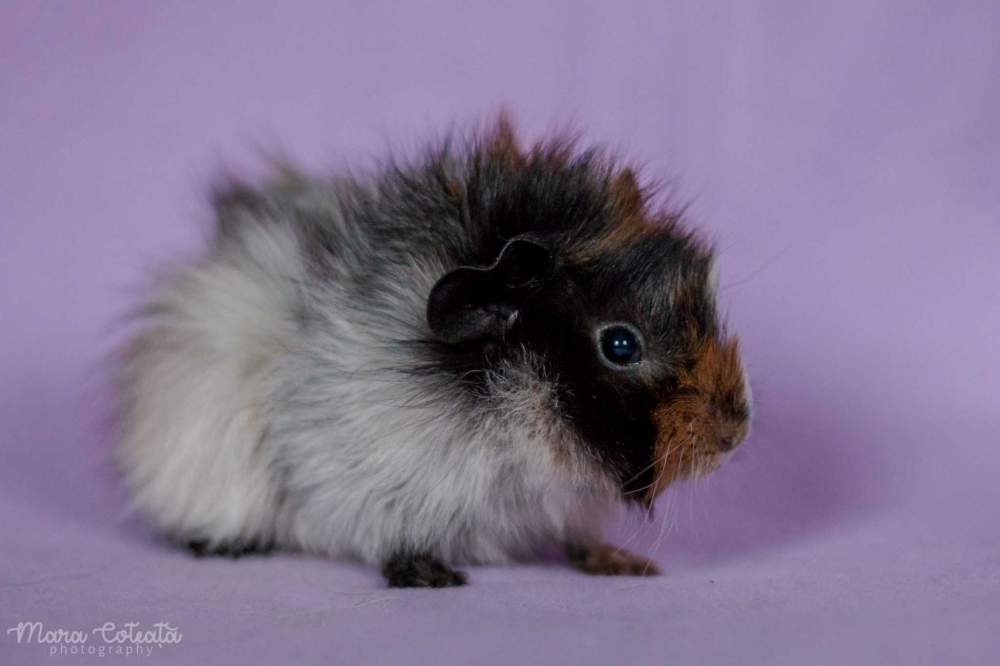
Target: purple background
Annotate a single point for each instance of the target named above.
(844, 155)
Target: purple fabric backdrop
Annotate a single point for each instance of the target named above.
(844, 155)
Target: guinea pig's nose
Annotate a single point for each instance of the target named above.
(730, 438)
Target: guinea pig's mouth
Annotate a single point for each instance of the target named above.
(692, 448)
(711, 462)
(683, 458)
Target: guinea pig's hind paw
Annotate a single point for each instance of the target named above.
(408, 570)
(233, 549)
(606, 560)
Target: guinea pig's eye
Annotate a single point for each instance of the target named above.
(620, 345)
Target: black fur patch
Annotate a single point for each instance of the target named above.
(653, 277)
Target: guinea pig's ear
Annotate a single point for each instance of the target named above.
(473, 302)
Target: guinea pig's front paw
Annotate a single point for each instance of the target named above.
(422, 570)
(605, 560)
(234, 549)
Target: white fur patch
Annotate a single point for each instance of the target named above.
(196, 383)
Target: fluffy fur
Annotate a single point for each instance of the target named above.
(294, 387)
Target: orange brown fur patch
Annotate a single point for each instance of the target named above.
(627, 193)
(704, 416)
(502, 145)
(717, 371)
(633, 221)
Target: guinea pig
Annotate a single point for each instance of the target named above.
(473, 356)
